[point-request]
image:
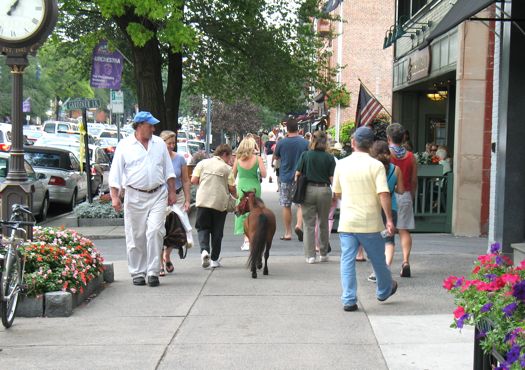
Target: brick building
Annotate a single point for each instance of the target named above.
(359, 49)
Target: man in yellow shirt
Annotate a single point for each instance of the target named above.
(360, 182)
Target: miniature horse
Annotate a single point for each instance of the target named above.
(259, 226)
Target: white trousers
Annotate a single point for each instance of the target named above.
(144, 219)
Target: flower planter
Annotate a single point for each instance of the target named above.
(519, 253)
(429, 170)
(30, 306)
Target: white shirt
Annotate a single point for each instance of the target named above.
(139, 168)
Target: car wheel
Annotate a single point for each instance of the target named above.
(45, 207)
(73, 201)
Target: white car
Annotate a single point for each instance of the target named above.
(185, 151)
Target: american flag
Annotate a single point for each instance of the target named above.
(367, 107)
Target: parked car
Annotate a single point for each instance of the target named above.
(66, 183)
(184, 150)
(5, 137)
(32, 134)
(182, 136)
(52, 127)
(199, 143)
(37, 180)
(98, 161)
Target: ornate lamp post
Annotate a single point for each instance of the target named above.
(24, 26)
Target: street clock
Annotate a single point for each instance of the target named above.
(26, 24)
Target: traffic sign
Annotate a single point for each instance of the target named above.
(75, 104)
(117, 102)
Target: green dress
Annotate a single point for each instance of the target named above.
(246, 180)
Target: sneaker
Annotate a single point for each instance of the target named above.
(372, 278)
(392, 292)
(153, 281)
(323, 259)
(205, 258)
(310, 260)
(245, 246)
(350, 307)
(215, 264)
(139, 280)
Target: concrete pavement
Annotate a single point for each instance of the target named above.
(200, 318)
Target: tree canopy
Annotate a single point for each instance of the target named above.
(262, 51)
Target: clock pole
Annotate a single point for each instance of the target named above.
(29, 27)
(17, 171)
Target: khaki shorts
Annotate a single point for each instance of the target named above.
(405, 211)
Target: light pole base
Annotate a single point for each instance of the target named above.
(16, 193)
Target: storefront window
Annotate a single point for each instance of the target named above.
(406, 9)
(436, 130)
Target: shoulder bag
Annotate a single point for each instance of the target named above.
(299, 185)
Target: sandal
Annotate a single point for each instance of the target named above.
(299, 233)
(285, 238)
(162, 272)
(405, 270)
(169, 267)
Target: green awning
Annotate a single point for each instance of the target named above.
(460, 11)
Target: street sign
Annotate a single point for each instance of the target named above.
(117, 102)
(75, 104)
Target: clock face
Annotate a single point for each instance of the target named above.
(20, 19)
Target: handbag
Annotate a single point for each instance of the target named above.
(299, 185)
(231, 204)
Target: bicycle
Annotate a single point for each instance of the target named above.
(12, 263)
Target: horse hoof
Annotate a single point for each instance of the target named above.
(265, 272)
(254, 276)
(259, 266)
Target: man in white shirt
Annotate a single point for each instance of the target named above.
(142, 166)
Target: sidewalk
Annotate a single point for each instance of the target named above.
(291, 319)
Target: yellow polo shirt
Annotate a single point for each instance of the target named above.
(359, 179)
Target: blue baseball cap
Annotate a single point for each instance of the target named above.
(145, 117)
(364, 136)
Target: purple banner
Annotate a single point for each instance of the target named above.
(106, 71)
(26, 105)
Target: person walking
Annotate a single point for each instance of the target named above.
(381, 152)
(215, 179)
(406, 161)
(288, 151)
(248, 169)
(318, 166)
(360, 182)
(142, 167)
(182, 187)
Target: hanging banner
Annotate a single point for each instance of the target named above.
(106, 70)
(26, 105)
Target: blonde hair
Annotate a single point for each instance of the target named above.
(167, 134)
(246, 148)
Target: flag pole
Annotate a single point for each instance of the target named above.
(373, 96)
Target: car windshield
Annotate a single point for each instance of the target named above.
(193, 148)
(182, 148)
(48, 160)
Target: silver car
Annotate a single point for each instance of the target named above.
(37, 180)
(66, 183)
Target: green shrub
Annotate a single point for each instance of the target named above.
(345, 131)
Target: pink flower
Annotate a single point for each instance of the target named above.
(485, 258)
(510, 278)
(458, 312)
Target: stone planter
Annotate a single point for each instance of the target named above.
(61, 304)
(83, 222)
(429, 170)
(519, 252)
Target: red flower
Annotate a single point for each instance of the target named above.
(458, 312)
(510, 278)
(449, 282)
(485, 259)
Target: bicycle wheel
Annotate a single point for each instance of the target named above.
(10, 288)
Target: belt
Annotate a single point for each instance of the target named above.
(178, 190)
(319, 184)
(146, 191)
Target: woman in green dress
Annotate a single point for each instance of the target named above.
(248, 169)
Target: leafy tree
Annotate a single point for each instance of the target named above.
(263, 51)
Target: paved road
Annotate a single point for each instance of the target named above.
(291, 319)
